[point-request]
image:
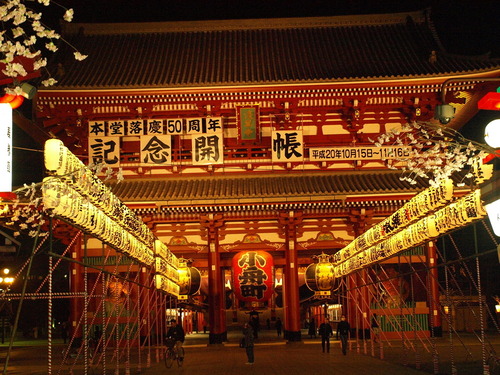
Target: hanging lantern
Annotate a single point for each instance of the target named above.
(253, 276)
(17, 101)
(7, 98)
(14, 100)
(189, 278)
(321, 275)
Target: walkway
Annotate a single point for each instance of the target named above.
(279, 358)
(273, 356)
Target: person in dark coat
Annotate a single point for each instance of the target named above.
(279, 325)
(64, 331)
(176, 332)
(343, 331)
(248, 336)
(325, 331)
(312, 329)
(255, 323)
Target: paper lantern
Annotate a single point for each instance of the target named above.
(253, 276)
(320, 276)
(189, 278)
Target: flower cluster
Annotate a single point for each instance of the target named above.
(436, 151)
(24, 38)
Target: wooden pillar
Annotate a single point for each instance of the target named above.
(433, 297)
(352, 292)
(360, 217)
(76, 286)
(364, 304)
(216, 293)
(142, 300)
(290, 221)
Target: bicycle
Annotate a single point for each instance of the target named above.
(172, 355)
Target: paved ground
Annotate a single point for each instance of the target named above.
(272, 356)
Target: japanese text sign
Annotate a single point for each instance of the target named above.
(253, 276)
(287, 146)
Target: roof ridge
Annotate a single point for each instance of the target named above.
(244, 24)
(213, 178)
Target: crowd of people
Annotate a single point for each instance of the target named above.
(325, 331)
(251, 334)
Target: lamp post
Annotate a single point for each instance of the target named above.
(497, 308)
(5, 283)
(445, 112)
(5, 279)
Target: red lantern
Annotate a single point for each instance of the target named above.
(7, 98)
(14, 100)
(253, 276)
(17, 101)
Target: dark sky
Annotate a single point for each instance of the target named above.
(465, 26)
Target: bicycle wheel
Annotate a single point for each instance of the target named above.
(180, 357)
(169, 358)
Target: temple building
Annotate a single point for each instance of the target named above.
(249, 149)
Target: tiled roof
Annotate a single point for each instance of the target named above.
(249, 52)
(219, 188)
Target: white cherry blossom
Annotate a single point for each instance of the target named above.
(437, 152)
(20, 22)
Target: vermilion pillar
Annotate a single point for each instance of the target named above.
(143, 303)
(359, 306)
(291, 277)
(216, 294)
(364, 303)
(434, 310)
(352, 299)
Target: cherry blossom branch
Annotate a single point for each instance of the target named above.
(436, 151)
(21, 38)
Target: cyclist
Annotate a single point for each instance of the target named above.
(176, 333)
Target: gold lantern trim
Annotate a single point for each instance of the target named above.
(320, 276)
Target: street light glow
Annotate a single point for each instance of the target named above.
(492, 133)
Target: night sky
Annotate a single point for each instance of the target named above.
(465, 26)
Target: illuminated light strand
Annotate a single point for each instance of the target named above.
(68, 204)
(465, 210)
(75, 194)
(166, 269)
(63, 164)
(420, 205)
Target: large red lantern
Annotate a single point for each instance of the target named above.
(253, 276)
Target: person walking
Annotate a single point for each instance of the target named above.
(279, 325)
(325, 331)
(255, 323)
(64, 331)
(375, 328)
(343, 330)
(312, 329)
(176, 332)
(248, 337)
